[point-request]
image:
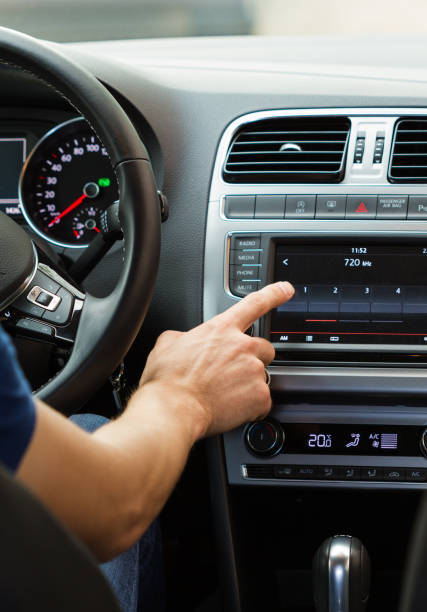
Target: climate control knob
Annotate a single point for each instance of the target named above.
(264, 438)
(423, 443)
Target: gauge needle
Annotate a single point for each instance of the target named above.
(68, 209)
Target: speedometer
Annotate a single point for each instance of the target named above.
(66, 183)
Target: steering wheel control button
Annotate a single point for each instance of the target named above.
(300, 207)
(34, 327)
(361, 207)
(392, 207)
(239, 243)
(331, 207)
(27, 307)
(270, 207)
(417, 207)
(61, 315)
(240, 207)
(264, 438)
(42, 280)
(43, 298)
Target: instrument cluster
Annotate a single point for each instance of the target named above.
(60, 185)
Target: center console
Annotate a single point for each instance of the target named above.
(334, 201)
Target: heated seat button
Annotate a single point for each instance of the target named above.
(371, 473)
(361, 207)
(329, 472)
(240, 207)
(350, 473)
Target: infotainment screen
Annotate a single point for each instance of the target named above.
(352, 294)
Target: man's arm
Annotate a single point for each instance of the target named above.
(110, 485)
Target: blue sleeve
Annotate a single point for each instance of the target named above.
(17, 410)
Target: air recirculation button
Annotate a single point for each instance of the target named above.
(264, 438)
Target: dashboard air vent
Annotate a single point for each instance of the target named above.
(289, 150)
(409, 152)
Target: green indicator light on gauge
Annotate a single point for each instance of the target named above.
(104, 182)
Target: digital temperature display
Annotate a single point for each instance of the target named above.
(352, 294)
(352, 439)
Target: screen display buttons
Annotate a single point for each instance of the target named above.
(361, 207)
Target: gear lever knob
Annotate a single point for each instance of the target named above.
(341, 575)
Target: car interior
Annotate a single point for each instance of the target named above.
(150, 184)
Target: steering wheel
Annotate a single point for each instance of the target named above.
(100, 331)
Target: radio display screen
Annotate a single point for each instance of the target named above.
(352, 294)
(374, 440)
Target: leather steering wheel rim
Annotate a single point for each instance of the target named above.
(107, 326)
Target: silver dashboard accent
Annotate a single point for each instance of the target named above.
(339, 571)
(34, 294)
(310, 381)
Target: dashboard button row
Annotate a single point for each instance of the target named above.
(341, 473)
(326, 207)
(245, 264)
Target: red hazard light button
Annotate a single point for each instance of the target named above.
(361, 207)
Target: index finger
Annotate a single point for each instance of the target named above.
(257, 304)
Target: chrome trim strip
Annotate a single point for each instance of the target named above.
(24, 285)
(339, 571)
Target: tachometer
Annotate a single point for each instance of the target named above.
(66, 183)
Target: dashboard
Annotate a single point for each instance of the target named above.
(345, 221)
(334, 202)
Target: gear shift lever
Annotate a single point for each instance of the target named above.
(341, 575)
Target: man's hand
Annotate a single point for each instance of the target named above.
(217, 366)
(108, 486)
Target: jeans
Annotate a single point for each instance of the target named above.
(136, 576)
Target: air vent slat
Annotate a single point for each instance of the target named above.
(409, 152)
(289, 150)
